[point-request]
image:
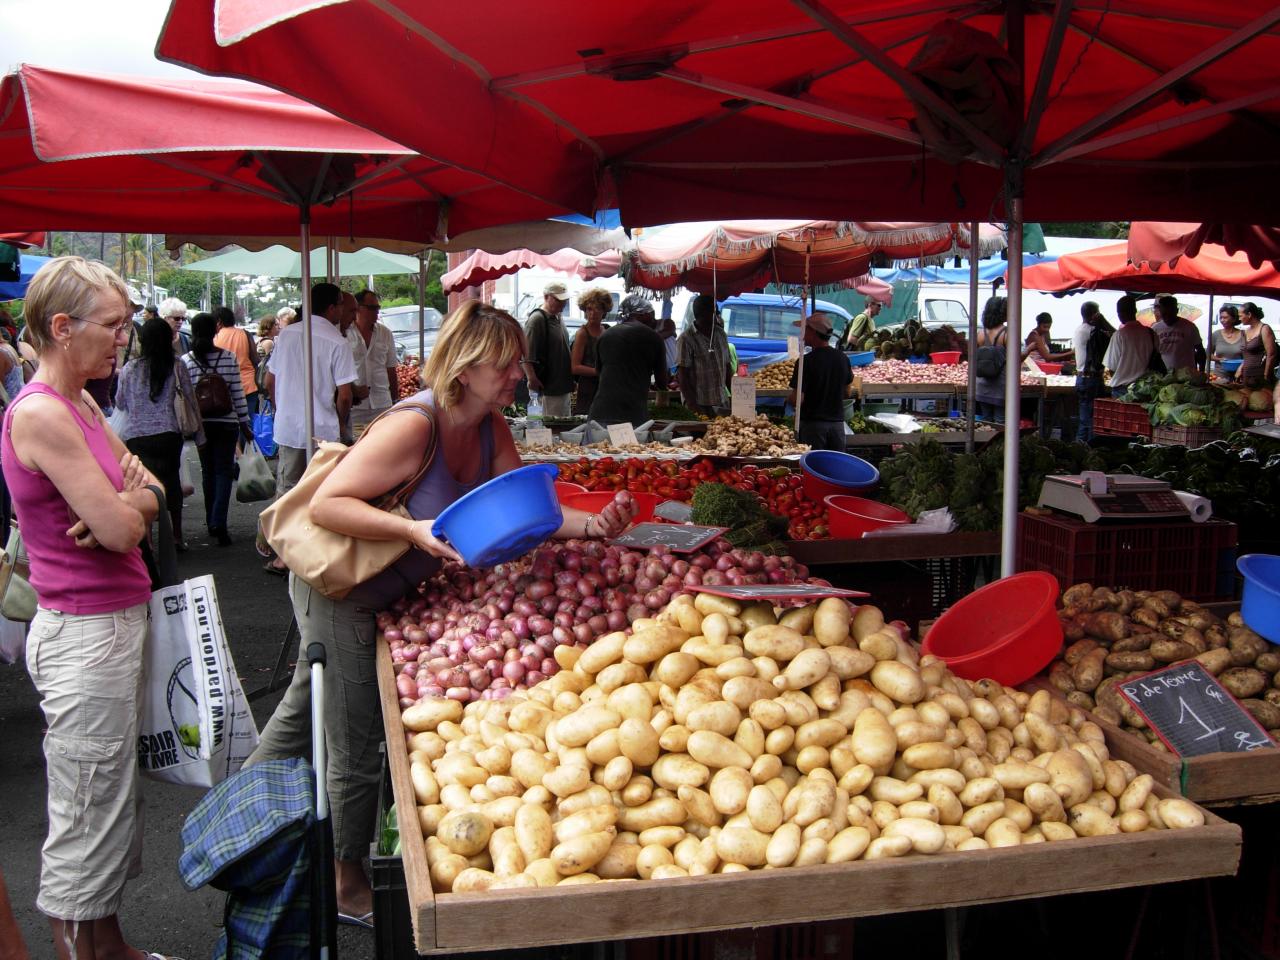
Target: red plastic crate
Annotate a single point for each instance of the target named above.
(1190, 437)
(1196, 560)
(1115, 418)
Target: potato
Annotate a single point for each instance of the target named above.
(763, 809)
(1088, 820)
(898, 681)
(533, 832)
(730, 789)
(1179, 814)
(583, 852)
(831, 620)
(745, 692)
(848, 845)
(742, 845)
(1243, 682)
(428, 713)
(578, 728)
(808, 667)
(886, 848)
(784, 846)
(464, 832)
(652, 644)
(776, 642)
(660, 811)
(716, 751)
(719, 716)
(926, 836)
(874, 741)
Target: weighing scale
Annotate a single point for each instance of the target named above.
(1112, 496)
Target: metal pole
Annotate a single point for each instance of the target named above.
(151, 269)
(422, 304)
(971, 399)
(308, 375)
(1012, 396)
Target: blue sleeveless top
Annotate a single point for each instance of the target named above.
(436, 491)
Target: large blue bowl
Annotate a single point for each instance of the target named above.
(1260, 602)
(828, 471)
(862, 359)
(1231, 366)
(503, 519)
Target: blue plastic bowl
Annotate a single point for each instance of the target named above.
(1231, 366)
(503, 519)
(862, 359)
(1260, 603)
(915, 359)
(828, 471)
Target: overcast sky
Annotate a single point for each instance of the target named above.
(100, 36)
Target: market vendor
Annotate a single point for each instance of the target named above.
(471, 375)
(1039, 345)
(861, 325)
(630, 355)
(827, 382)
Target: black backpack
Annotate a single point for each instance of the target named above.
(213, 396)
(989, 359)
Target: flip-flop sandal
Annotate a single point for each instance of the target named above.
(275, 571)
(264, 549)
(365, 921)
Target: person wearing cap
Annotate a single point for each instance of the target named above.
(629, 355)
(548, 365)
(702, 359)
(828, 380)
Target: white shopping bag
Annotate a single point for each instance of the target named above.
(195, 727)
(13, 640)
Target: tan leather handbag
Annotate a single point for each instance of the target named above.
(17, 597)
(335, 563)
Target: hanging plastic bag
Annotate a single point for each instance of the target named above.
(13, 640)
(194, 727)
(256, 481)
(263, 424)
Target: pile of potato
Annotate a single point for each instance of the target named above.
(1112, 635)
(718, 738)
(776, 376)
(732, 437)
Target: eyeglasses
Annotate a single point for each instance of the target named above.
(116, 328)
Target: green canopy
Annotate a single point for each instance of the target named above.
(283, 262)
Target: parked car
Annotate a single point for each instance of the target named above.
(759, 323)
(403, 322)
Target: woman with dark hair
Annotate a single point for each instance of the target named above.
(989, 360)
(150, 430)
(1228, 340)
(226, 416)
(1259, 367)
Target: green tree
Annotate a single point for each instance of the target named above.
(1104, 229)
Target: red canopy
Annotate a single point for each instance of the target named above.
(1213, 270)
(220, 157)
(1160, 243)
(757, 108)
(23, 240)
(733, 256)
(481, 266)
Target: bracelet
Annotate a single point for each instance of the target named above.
(586, 526)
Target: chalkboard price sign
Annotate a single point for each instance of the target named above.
(673, 510)
(1191, 712)
(777, 591)
(677, 537)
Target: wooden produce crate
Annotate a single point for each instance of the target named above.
(1115, 418)
(495, 920)
(1218, 778)
(1190, 437)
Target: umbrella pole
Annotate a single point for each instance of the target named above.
(971, 398)
(423, 264)
(1012, 396)
(308, 374)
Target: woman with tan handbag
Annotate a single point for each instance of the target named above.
(456, 428)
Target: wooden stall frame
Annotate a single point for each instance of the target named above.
(460, 923)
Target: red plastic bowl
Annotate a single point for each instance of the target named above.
(848, 518)
(1049, 369)
(566, 489)
(945, 356)
(595, 502)
(1008, 630)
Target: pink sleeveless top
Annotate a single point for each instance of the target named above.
(68, 578)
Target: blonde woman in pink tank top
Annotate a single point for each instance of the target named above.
(83, 503)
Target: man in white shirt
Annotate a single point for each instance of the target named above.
(1129, 354)
(1179, 338)
(333, 373)
(373, 348)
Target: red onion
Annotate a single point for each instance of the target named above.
(392, 634)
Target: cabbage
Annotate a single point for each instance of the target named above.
(1191, 416)
(1168, 394)
(1164, 412)
(1259, 400)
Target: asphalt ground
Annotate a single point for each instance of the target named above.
(158, 913)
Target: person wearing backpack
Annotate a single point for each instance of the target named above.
(220, 397)
(989, 359)
(1090, 342)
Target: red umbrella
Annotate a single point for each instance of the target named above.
(760, 108)
(481, 266)
(220, 157)
(23, 241)
(1159, 243)
(1108, 267)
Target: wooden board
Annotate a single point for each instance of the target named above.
(916, 546)
(1212, 778)
(413, 848)
(461, 923)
